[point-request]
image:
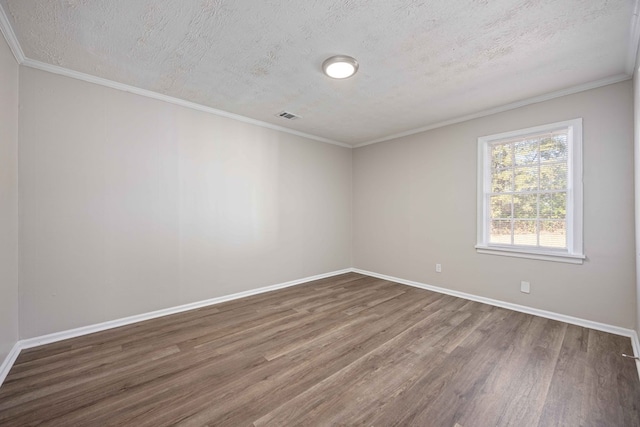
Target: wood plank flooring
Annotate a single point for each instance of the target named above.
(347, 350)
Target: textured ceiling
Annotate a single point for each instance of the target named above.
(421, 61)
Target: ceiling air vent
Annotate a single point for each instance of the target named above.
(287, 115)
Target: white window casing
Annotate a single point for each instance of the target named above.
(505, 244)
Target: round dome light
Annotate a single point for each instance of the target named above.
(340, 67)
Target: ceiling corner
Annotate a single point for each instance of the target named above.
(512, 106)
(66, 72)
(7, 30)
(634, 39)
(10, 36)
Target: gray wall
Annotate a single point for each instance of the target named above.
(636, 128)
(130, 204)
(8, 200)
(415, 206)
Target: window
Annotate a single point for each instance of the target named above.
(530, 193)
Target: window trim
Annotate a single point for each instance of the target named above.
(574, 253)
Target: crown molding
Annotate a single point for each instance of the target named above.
(536, 99)
(16, 49)
(632, 56)
(55, 69)
(10, 36)
(634, 39)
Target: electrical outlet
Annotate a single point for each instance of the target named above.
(438, 268)
(525, 287)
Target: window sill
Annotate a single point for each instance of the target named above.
(530, 254)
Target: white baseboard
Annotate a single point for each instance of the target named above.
(85, 330)
(636, 350)
(616, 330)
(8, 361)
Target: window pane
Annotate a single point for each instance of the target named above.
(526, 179)
(554, 148)
(501, 206)
(553, 234)
(553, 206)
(525, 233)
(526, 151)
(502, 181)
(501, 156)
(525, 206)
(500, 232)
(528, 200)
(553, 177)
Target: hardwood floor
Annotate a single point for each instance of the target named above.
(347, 350)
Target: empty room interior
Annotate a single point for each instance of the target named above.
(338, 212)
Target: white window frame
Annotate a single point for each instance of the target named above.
(574, 253)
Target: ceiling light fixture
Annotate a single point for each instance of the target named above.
(340, 67)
